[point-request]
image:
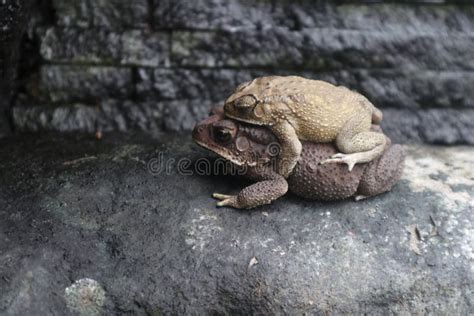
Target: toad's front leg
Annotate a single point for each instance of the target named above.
(260, 193)
(290, 147)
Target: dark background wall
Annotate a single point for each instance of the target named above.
(13, 20)
(159, 65)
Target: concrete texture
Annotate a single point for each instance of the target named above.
(92, 226)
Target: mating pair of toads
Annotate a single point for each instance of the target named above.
(309, 121)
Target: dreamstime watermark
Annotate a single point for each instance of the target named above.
(210, 166)
(187, 167)
(262, 163)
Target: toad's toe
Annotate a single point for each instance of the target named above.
(349, 160)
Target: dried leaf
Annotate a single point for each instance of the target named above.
(415, 238)
(434, 230)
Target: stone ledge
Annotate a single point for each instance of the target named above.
(110, 14)
(385, 88)
(105, 47)
(435, 126)
(110, 115)
(81, 83)
(235, 15)
(78, 213)
(323, 49)
(105, 115)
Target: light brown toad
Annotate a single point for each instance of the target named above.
(295, 109)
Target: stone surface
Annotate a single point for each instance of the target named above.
(385, 88)
(438, 126)
(102, 46)
(93, 226)
(411, 58)
(216, 14)
(236, 15)
(80, 46)
(323, 49)
(434, 126)
(107, 115)
(407, 88)
(13, 21)
(76, 83)
(112, 14)
(192, 84)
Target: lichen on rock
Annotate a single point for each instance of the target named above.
(85, 296)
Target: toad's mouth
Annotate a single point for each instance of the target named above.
(248, 121)
(224, 153)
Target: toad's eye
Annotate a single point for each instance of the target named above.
(245, 102)
(223, 135)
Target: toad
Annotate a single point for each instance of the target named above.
(298, 109)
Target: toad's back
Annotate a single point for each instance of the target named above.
(316, 109)
(327, 182)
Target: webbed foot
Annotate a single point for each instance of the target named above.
(349, 159)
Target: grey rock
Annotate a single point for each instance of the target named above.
(296, 15)
(144, 116)
(237, 49)
(79, 213)
(5, 128)
(418, 89)
(84, 83)
(385, 88)
(80, 46)
(74, 117)
(106, 115)
(435, 126)
(216, 14)
(13, 22)
(416, 62)
(101, 46)
(111, 14)
(110, 115)
(402, 126)
(407, 89)
(182, 115)
(382, 16)
(323, 49)
(13, 15)
(144, 48)
(203, 84)
(447, 126)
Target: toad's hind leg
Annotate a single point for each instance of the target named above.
(260, 193)
(382, 174)
(357, 143)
